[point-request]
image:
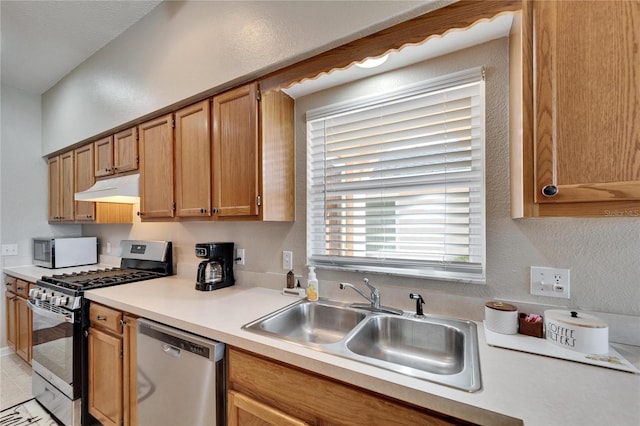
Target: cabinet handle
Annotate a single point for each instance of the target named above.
(101, 318)
(115, 169)
(550, 191)
(214, 210)
(203, 210)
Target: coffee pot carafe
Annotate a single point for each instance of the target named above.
(217, 270)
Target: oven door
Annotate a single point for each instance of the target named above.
(56, 347)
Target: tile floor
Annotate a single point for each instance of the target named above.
(15, 381)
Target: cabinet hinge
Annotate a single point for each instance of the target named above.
(121, 354)
(173, 206)
(173, 123)
(137, 159)
(258, 95)
(259, 200)
(137, 134)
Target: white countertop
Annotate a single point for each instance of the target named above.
(536, 389)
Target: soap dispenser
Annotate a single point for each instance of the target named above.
(312, 285)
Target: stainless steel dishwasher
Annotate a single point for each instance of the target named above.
(180, 377)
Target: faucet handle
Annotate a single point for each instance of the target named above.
(419, 303)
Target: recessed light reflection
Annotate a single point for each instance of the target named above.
(373, 62)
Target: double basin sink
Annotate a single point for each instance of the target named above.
(438, 349)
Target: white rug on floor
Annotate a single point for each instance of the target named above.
(28, 413)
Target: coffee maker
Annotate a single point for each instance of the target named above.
(217, 270)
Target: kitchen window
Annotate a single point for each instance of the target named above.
(396, 181)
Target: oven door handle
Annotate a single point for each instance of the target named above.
(52, 315)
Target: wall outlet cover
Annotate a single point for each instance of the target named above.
(550, 282)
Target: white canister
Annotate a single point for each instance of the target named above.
(577, 331)
(501, 317)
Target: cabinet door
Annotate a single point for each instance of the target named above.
(105, 377)
(54, 189)
(156, 168)
(23, 329)
(125, 151)
(10, 306)
(84, 178)
(587, 92)
(243, 410)
(104, 157)
(67, 186)
(236, 168)
(193, 161)
(130, 371)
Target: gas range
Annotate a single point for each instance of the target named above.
(61, 326)
(142, 260)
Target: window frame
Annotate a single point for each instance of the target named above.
(441, 270)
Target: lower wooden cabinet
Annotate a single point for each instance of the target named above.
(265, 392)
(19, 318)
(244, 410)
(111, 345)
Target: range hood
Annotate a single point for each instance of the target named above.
(122, 189)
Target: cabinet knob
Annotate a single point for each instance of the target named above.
(203, 211)
(115, 169)
(550, 190)
(214, 210)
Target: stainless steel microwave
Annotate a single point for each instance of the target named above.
(63, 252)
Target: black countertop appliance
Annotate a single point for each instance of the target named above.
(216, 271)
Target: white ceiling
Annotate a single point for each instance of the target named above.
(42, 41)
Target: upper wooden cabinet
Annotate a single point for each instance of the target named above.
(193, 160)
(235, 153)
(581, 150)
(253, 155)
(84, 179)
(117, 153)
(61, 187)
(156, 168)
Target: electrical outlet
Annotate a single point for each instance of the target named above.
(551, 282)
(9, 249)
(287, 260)
(240, 256)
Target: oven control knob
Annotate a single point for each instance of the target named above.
(44, 296)
(33, 293)
(55, 300)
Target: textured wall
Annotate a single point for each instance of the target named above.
(183, 48)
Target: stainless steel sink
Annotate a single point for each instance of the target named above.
(438, 349)
(309, 323)
(419, 345)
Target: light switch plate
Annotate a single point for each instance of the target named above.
(287, 260)
(9, 249)
(550, 282)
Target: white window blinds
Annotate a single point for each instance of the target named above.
(396, 182)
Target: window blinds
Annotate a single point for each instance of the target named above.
(396, 182)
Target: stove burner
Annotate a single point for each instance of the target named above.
(99, 278)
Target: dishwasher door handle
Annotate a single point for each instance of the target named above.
(170, 350)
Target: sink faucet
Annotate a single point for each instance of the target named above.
(419, 303)
(374, 298)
